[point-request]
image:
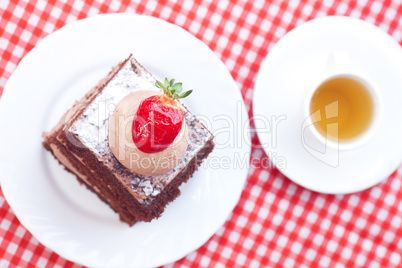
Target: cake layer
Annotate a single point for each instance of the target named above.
(91, 130)
(53, 142)
(149, 209)
(80, 142)
(88, 178)
(103, 183)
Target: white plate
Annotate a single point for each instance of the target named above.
(48, 201)
(281, 87)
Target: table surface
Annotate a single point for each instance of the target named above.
(276, 222)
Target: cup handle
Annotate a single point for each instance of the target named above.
(338, 61)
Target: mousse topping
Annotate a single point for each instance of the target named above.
(147, 133)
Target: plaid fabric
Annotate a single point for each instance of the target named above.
(276, 223)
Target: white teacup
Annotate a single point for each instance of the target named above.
(339, 67)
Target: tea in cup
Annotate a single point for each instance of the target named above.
(344, 107)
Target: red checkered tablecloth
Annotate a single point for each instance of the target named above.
(276, 222)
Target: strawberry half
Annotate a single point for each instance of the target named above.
(159, 118)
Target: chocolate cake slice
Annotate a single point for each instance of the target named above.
(80, 142)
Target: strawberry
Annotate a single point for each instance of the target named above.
(159, 118)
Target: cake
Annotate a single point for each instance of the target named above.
(80, 142)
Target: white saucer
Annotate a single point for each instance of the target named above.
(50, 203)
(281, 88)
